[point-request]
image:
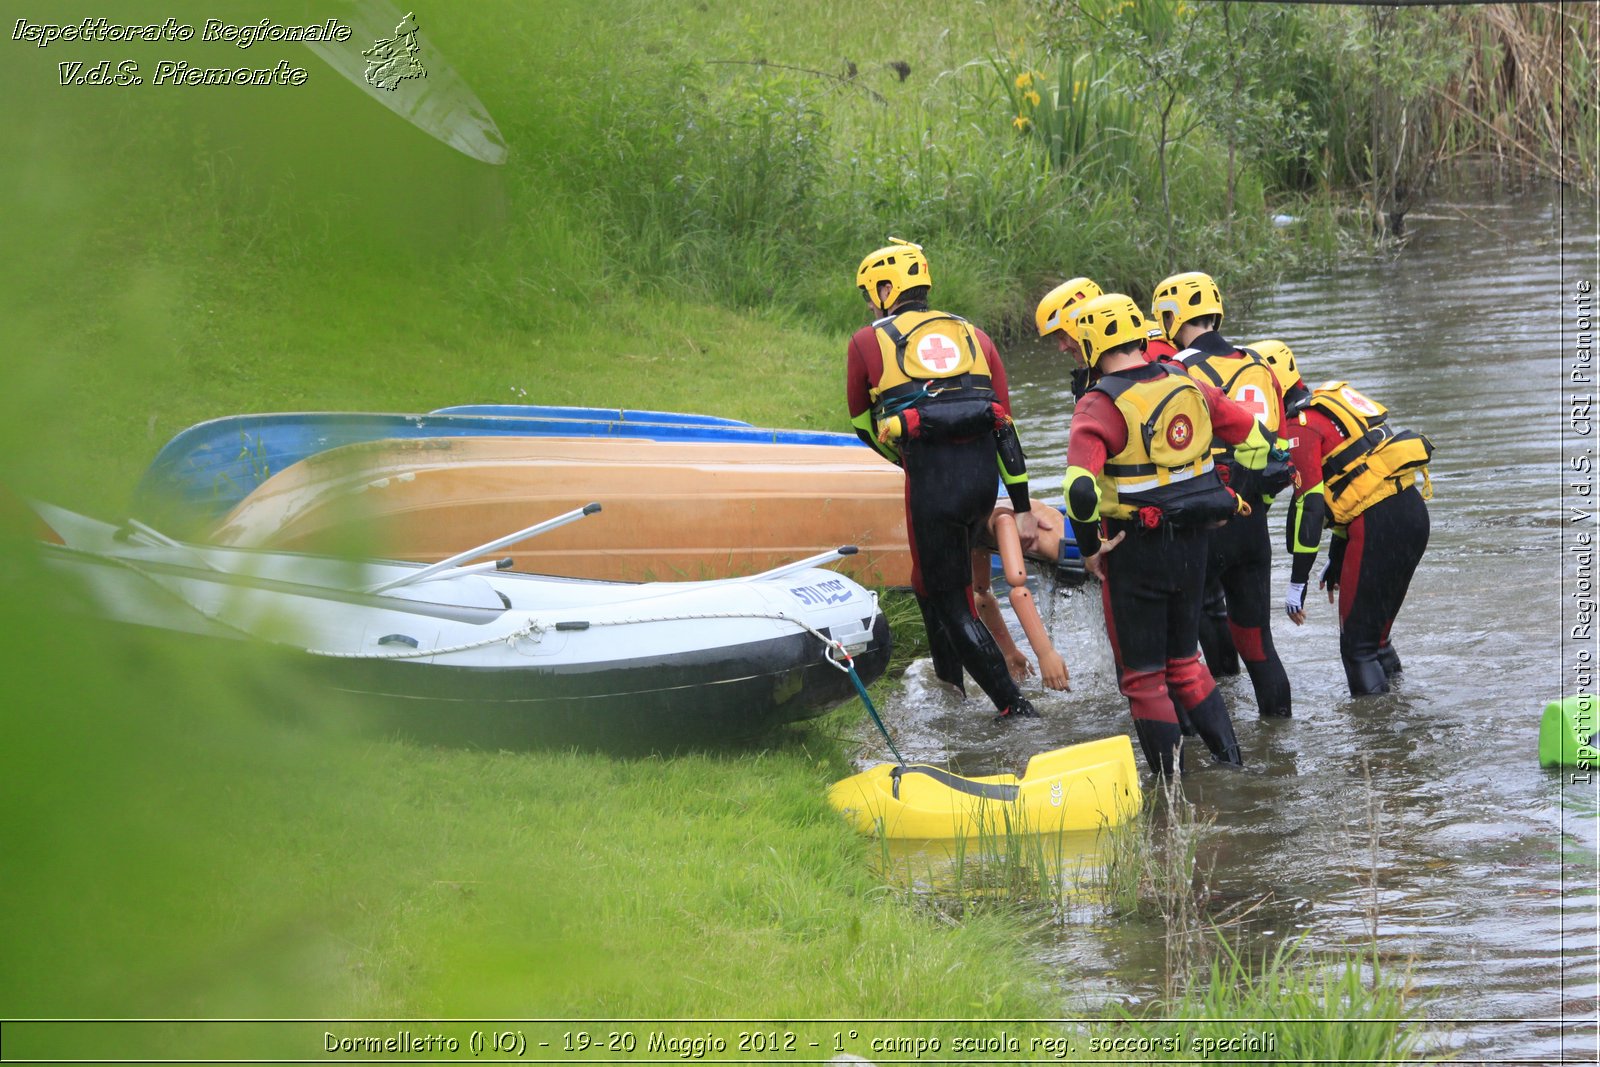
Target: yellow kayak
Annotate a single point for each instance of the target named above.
(1080, 787)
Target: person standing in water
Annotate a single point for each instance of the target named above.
(927, 389)
(1239, 563)
(1359, 474)
(1142, 496)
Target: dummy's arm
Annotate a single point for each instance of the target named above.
(989, 612)
(1052, 668)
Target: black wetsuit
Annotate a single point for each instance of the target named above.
(1371, 564)
(949, 496)
(950, 493)
(1154, 577)
(1381, 549)
(1238, 593)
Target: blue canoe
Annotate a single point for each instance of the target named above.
(556, 411)
(203, 472)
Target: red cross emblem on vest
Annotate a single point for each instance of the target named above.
(1179, 431)
(1254, 400)
(937, 353)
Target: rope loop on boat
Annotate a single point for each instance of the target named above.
(533, 628)
(537, 629)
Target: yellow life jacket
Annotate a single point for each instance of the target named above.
(933, 361)
(919, 347)
(1375, 461)
(1247, 379)
(1167, 461)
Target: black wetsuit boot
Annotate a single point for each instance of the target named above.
(1390, 659)
(975, 645)
(1271, 683)
(1215, 727)
(1162, 744)
(1364, 673)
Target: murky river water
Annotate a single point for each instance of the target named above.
(1486, 869)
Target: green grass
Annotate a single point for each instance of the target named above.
(1323, 1007)
(237, 847)
(191, 832)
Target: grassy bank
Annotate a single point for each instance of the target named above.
(196, 834)
(192, 834)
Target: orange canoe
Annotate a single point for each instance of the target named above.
(670, 509)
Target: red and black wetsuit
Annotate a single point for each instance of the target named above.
(1237, 618)
(1372, 563)
(1153, 586)
(950, 492)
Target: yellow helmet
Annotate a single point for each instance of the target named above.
(901, 264)
(1183, 297)
(1281, 360)
(1061, 305)
(1108, 322)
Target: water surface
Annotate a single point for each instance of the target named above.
(1485, 876)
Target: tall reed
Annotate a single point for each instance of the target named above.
(1526, 93)
(1152, 870)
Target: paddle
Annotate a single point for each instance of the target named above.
(799, 565)
(433, 570)
(154, 536)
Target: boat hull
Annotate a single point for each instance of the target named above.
(671, 510)
(691, 700)
(498, 658)
(208, 468)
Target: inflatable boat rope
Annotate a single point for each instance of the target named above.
(536, 629)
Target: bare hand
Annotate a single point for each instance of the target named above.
(1029, 533)
(1096, 564)
(1019, 666)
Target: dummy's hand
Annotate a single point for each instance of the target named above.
(1294, 603)
(1053, 669)
(1096, 564)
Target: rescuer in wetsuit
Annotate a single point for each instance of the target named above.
(927, 390)
(1281, 359)
(1054, 315)
(1364, 473)
(1139, 463)
(1239, 566)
